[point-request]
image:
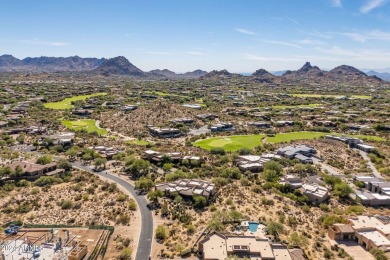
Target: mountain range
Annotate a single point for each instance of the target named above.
(48, 64)
(123, 67)
(306, 74)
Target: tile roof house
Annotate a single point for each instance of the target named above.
(32, 170)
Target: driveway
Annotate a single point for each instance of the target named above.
(199, 131)
(356, 251)
(370, 164)
(145, 239)
(327, 168)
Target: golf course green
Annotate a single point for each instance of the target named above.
(67, 102)
(88, 125)
(237, 142)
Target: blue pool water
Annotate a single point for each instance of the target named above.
(253, 226)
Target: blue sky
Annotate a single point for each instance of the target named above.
(183, 35)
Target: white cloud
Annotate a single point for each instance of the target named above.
(372, 55)
(310, 42)
(43, 43)
(245, 31)
(370, 5)
(292, 20)
(254, 57)
(288, 44)
(158, 52)
(337, 3)
(371, 35)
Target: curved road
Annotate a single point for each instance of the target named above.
(145, 239)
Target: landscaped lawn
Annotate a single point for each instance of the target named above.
(139, 142)
(67, 102)
(372, 138)
(361, 97)
(87, 124)
(237, 142)
(329, 96)
(296, 106)
(316, 96)
(287, 137)
(231, 143)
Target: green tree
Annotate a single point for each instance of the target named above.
(144, 184)
(126, 254)
(270, 175)
(45, 159)
(99, 162)
(298, 240)
(154, 195)
(274, 166)
(342, 189)
(378, 254)
(138, 168)
(161, 232)
(199, 202)
(64, 164)
(275, 228)
(72, 153)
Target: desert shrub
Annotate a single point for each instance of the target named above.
(324, 207)
(24, 207)
(121, 197)
(161, 232)
(199, 202)
(217, 150)
(132, 205)
(66, 204)
(355, 209)
(47, 181)
(126, 254)
(123, 219)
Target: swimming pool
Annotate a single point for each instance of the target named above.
(253, 226)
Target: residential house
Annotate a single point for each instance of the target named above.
(105, 151)
(164, 132)
(282, 123)
(254, 163)
(219, 247)
(32, 170)
(301, 152)
(206, 117)
(371, 232)
(377, 191)
(260, 124)
(194, 106)
(358, 127)
(82, 112)
(293, 181)
(222, 127)
(188, 188)
(62, 138)
(184, 120)
(129, 108)
(315, 192)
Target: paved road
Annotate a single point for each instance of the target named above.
(370, 164)
(145, 239)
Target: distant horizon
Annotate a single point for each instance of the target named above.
(211, 35)
(244, 73)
